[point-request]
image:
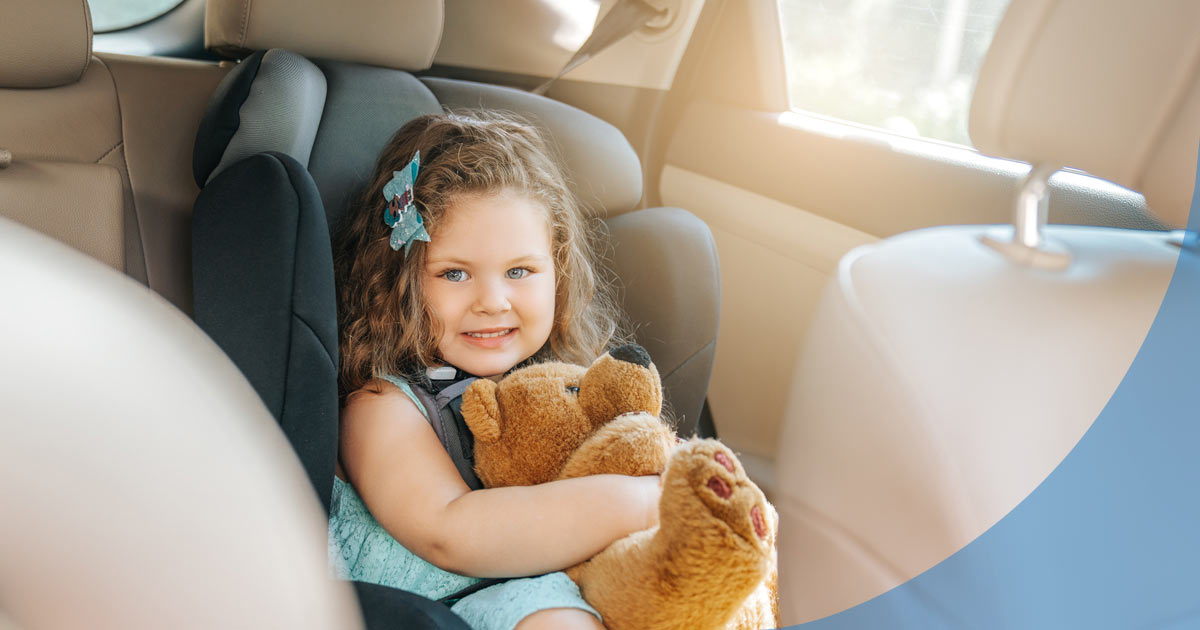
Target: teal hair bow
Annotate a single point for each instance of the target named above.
(401, 212)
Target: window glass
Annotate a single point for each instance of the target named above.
(114, 15)
(907, 66)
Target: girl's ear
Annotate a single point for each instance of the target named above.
(481, 410)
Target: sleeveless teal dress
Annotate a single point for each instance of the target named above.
(361, 549)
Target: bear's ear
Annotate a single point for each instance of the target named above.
(481, 410)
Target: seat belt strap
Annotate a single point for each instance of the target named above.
(624, 18)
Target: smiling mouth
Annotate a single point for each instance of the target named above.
(490, 334)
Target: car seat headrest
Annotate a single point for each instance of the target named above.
(276, 100)
(401, 34)
(603, 170)
(272, 101)
(1107, 86)
(44, 43)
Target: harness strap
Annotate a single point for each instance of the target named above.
(444, 413)
(452, 391)
(431, 412)
(474, 588)
(478, 586)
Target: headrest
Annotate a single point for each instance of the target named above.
(44, 43)
(604, 171)
(401, 34)
(1110, 87)
(272, 101)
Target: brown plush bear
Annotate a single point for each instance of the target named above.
(711, 562)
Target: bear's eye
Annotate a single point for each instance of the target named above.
(572, 389)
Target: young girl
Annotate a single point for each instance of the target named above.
(496, 272)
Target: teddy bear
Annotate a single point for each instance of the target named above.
(710, 562)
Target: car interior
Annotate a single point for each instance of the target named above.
(845, 305)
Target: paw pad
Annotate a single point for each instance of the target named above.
(724, 460)
(760, 526)
(719, 487)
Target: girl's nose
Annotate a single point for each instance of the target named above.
(492, 298)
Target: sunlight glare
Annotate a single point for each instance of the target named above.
(576, 19)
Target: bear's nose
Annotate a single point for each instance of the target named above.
(632, 353)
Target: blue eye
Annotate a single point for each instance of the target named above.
(572, 389)
(454, 275)
(516, 273)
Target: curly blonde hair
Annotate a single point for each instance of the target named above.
(385, 326)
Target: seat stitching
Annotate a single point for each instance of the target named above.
(292, 289)
(128, 176)
(245, 23)
(677, 417)
(689, 358)
(110, 151)
(311, 330)
(87, 27)
(292, 292)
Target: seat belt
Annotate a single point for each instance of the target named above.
(625, 17)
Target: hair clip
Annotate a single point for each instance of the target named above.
(401, 212)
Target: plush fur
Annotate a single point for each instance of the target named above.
(711, 562)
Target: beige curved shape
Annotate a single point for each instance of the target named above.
(401, 34)
(1111, 87)
(938, 386)
(144, 483)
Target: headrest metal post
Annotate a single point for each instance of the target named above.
(1032, 206)
(1028, 246)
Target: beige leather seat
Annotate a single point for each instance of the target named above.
(100, 144)
(949, 370)
(60, 120)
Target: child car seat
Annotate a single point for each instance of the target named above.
(261, 262)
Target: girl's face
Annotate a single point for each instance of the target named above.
(489, 278)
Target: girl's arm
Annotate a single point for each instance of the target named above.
(408, 482)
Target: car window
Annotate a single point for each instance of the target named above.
(906, 66)
(114, 15)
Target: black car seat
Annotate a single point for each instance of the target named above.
(296, 127)
(263, 282)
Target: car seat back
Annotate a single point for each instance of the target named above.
(948, 371)
(61, 124)
(99, 144)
